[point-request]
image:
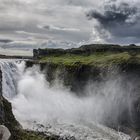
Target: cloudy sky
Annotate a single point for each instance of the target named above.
(28, 24)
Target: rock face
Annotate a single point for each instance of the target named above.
(76, 78)
(77, 75)
(1, 101)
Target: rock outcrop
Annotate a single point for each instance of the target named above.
(86, 50)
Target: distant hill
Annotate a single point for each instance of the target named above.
(14, 57)
(86, 49)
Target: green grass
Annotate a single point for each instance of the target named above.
(97, 59)
(31, 135)
(26, 135)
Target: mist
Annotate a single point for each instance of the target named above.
(38, 102)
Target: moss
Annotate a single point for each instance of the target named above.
(32, 135)
(25, 135)
(97, 59)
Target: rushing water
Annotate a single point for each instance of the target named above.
(55, 110)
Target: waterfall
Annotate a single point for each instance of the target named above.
(10, 76)
(54, 110)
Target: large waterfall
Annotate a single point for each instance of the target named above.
(55, 110)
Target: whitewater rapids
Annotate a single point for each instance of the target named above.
(53, 110)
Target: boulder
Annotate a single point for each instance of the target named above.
(4, 133)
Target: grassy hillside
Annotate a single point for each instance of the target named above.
(96, 59)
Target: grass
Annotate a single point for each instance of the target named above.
(26, 135)
(97, 59)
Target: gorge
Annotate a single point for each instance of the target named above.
(57, 97)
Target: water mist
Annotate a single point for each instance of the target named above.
(64, 113)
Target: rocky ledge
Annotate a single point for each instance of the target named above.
(96, 62)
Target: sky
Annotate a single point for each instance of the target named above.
(28, 24)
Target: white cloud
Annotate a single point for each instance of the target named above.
(53, 27)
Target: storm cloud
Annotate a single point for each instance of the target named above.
(120, 19)
(115, 15)
(68, 23)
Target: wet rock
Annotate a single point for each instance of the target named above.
(4, 133)
(137, 138)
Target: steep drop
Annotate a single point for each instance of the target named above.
(55, 109)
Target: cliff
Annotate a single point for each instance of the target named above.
(77, 66)
(95, 55)
(96, 63)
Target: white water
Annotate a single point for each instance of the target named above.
(35, 102)
(10, 74)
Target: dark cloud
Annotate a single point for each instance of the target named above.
(5, 40)
(114, 15)
(120, 19)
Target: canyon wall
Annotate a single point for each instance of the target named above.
(77, 75)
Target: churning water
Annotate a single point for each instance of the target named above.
(55, 110)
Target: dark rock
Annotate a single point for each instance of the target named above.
(77, 77)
